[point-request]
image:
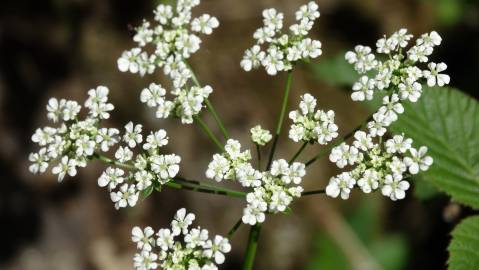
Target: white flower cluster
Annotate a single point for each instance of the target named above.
(231, 164)
(260, 136)
(283, 50)
(383, 166)
(310, 125)
(74, 141)
(172, 43)
(187, 102)
(400, 72)
(273, 190)
(147, 169)
(194, 251)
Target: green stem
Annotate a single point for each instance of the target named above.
(251, 248)
(180, 183)
(208, 132)
(258, 153)
(326, 150)
(313, 192)
(113, 162)
(284, 105)
(300, 150)
(218, 121)
(235, 227)
(209, 106)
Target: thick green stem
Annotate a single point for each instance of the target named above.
(208, 132)
(300, 150)
(251, 248)
(326, 150)
(284, 105)
(235, 227)
(209, 106)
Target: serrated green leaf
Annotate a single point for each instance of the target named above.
(464, 247)
(447, 122)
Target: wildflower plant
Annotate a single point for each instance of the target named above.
(374, 161)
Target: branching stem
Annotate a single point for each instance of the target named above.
(284, 105)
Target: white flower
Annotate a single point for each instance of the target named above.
(344, 154)
(248, 176)
(182, 221)
(252, 58)
(39, 161)
(296, 171)
(123, 154)
(410, 90)
(310, 48)
(153, 96)
(196, 237)
(279, 167)
(433, 75)
(363, 89)
(44, 136)
(418, 160)
(163, 13)
(273, 19)
(132, 134)
(106, 138)
(369, 181)
(126, 196)
(253, 215)
(70, 110)
(128, 61)
(217, 248)
(260, 136)
(273, 61)
(55, 109)
(362, 58)
(309, 11)
(66, 166)
(394, 187)
(398, 144)
(217, 168)
(145, 260)
(111, 177)
(165, 166)
(165, 239)
(143, 238)
(430, 39)
(362, 140)
(204, 24)
(144, 179)
(156, 140)
(340, 185)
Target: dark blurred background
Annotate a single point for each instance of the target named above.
(62, 48)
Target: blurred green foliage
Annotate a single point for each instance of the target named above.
(388, 250)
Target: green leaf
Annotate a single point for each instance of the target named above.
(447, 122)
(335, 71)
(423, 189)
(464, 247)
(147, 192)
